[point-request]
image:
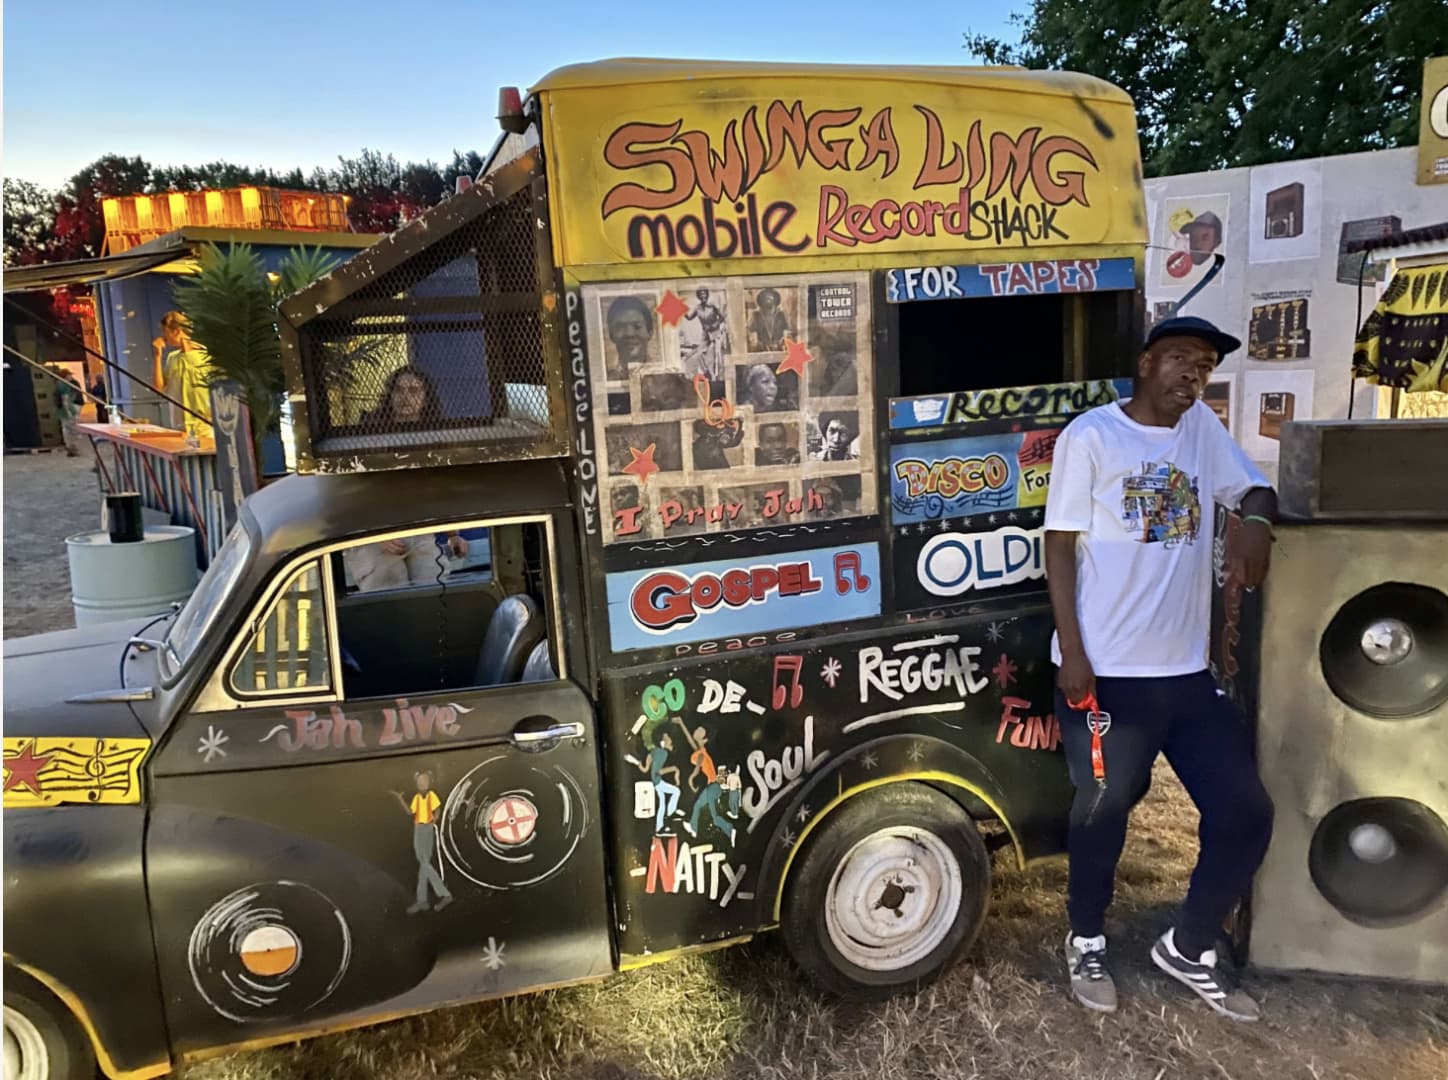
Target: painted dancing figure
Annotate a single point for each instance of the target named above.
(709, 798)
(666, 795)
(423, 808)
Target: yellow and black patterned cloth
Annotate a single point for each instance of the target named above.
(1404, 342)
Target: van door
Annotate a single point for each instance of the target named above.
(316, 858)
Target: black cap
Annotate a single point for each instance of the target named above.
(1191, 326)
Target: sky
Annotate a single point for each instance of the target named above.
(286, 84)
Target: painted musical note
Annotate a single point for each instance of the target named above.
(848, 567)
(794, 692)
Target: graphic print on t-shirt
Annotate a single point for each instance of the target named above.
(1160, 506)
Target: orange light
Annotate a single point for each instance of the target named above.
(215, 207)
(177, 200)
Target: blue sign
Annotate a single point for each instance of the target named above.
(729, 598)
(1009, 403)
(1044, 278)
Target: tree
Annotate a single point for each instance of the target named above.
(1224, 83)
(29, 222)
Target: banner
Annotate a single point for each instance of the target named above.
(1404, 342)
(961, 477)
(717, 166)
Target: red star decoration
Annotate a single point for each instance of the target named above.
(671, 309)
(642, 465)
(23, 767)
(796, 356)
(1004, 671)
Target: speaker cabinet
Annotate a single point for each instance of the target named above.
(1277, 409)
(1352, 740)
(1284, 212)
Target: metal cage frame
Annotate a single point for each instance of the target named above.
(423, 243)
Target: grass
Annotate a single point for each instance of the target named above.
(1002, 1012)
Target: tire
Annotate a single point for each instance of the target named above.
(42, 1039)
(905, 845)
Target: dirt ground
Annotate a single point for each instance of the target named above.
(1002, 1012)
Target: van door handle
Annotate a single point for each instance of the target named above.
(535, 731)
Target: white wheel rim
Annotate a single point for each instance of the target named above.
(893, 898)
(25, 1054)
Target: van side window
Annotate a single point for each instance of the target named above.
(422, 612)
(287, 652)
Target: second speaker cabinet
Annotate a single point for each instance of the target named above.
(1352, 738)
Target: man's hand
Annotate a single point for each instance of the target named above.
(457, 544)
(1249, 553)
(1076, 679)
(393, 547)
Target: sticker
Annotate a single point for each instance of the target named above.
(647, 608)
(1008, 403)
(1043, 278)
(961, 477)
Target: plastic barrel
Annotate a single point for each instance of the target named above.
(110, 581)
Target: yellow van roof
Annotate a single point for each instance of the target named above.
(631, 71)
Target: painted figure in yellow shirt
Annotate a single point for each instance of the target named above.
(423, 808)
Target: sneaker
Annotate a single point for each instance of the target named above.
(688, 828)
(444, 902)
(1217, 988)
(1090, 981)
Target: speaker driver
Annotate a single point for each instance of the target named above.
(1385, 653)
(1380, 862)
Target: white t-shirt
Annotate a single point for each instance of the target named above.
(1141, 499)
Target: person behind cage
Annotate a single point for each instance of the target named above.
(409, 402)
(424, 807)
(1129, 574)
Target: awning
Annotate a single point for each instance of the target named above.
(86, 271)
(1404, 342)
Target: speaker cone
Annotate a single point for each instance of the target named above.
(1385, 652)
(1380, 862)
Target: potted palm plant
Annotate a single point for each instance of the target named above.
(231, 305)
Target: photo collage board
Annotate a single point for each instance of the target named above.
(731, 403)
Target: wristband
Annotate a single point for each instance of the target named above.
(1264, 521)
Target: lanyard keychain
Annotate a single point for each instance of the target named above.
(1099, 723)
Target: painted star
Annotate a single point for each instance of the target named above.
(991, 519)
(868, 759)
(789, 838)
(1004, 671)
(671, 309)
(643, 465)
(22, 769)
(830, 673)
(942, 525)
(803, 815)
(916, 752)
(211, 743)
(995, 631)
(493, 954)
(1011, 516)
(796, 356)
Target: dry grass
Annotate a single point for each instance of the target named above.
(1003, 1012)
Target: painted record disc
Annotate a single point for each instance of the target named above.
(507, 825)
(270, 951)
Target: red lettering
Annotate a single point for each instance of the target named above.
(626, 520)
(830, 153)
(785, 127)
(766, 580)
(834, 201)
(1071, 187)
(932, 169)
(879, 142)
(737, 587)
(1011, 159)
(663, 864)
(662, 600)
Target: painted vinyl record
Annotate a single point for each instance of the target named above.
(269, 951)
(506, 825)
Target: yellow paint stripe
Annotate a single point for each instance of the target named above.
(633, 963)
(78, 1010)
(845, 793)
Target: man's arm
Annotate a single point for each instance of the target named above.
(1076, 678)
(1251, 554)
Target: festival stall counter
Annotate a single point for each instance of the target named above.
(757, 635)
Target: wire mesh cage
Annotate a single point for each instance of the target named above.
(441, 340)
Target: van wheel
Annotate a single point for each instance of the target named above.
(42, 1039)
(887, 892)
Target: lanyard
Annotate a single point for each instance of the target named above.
(1099, 723)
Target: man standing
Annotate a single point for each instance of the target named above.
(1128, 563)
(423, 808)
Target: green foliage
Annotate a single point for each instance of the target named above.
(29, 221)
(1223, 83)
(231, 303)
